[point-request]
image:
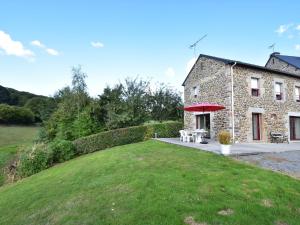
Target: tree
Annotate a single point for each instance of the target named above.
(41, 107)
(79, 88)
(135, 93)
(72, 101)
(166, 104)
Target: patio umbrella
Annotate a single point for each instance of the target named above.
(203, 107)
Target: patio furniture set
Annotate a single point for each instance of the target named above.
(197, 136)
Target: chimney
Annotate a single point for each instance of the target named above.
(275, 53)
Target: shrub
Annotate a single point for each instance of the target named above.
(15, 115)
(224, 137)
(125, 136)
(61, 150)
(34, 159)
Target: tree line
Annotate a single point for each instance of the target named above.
(128, 103)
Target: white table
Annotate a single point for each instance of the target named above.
(198, 135)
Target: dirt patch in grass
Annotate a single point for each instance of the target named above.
(225, 212)
(267, 203)
(281, 223)
(190, 221)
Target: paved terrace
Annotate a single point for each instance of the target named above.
(239, 149)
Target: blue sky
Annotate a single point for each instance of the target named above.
(40, 42)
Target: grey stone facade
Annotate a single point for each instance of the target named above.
(275, 63)
(212, 77)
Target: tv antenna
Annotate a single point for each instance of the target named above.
(193, 46)
(272, 46)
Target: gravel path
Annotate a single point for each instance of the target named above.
(285, 162)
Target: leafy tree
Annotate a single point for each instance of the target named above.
(135, 93)
(4, 95)
(165, 103)
(79, 88)
(15, 115)
(41, 107)
(72, 102)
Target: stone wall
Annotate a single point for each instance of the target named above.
(274, 113)
(212, 79)
(277, 64)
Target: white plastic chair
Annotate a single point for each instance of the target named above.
(188, 137)
(182, 135)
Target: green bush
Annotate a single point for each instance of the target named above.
(61, 150)
(126, 136)
(34, 159)
(15, 115)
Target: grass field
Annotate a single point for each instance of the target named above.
(11, 137)
(14, 135)
(152, 183)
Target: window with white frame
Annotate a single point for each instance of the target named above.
(254, 86)
(195, 91)
(297, 93)
(278, 91)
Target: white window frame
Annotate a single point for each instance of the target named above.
(282, 91)
(257, 86)
(297, 95)
(194, 92)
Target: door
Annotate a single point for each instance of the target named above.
(294, 128)
(203, 122)
(256, 126)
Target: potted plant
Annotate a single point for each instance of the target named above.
(225, 143)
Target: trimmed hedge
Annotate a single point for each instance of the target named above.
(124, 136)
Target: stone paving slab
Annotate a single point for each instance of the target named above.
(240, 148)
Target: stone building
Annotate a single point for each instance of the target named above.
(257, 99)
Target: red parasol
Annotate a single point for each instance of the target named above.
(204, 107)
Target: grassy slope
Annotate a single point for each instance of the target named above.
(6, 154)
(10, 138)
(13, 135)
(151, 183)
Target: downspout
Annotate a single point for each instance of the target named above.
(232, 101)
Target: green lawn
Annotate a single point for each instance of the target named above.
(11, 137)
(151, 183)
(14, 135)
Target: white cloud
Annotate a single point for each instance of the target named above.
(51, 51)
(283, 28)
(190, 64)
(298, 27)
(97, 44)
(11, 47)
(170, 72)
(37, 43)
(297, 47)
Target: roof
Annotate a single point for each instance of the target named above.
(242, 64)
(292, 60)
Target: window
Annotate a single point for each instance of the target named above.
(278, 91)
(297, 94)
(195, 92)
(254, 86)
